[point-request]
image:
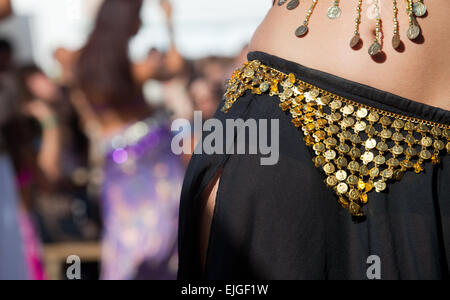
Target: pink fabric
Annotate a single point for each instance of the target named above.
(33, 253)
(24, 179)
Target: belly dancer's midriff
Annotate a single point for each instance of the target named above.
(419, 70)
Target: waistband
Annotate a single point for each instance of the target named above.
(357, 92)
(361, 138)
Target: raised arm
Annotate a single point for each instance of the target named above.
(49, 156)
(174, 62)
(159, 66)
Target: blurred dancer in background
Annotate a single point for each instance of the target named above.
(63, 157)
(142, 177)
(22, 258)
(39, 96)
(30, 151)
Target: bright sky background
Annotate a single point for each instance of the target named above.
(202, 27)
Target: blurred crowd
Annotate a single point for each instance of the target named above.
(86, 156)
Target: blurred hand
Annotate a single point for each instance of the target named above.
(39, 110)
(174, 62)
(148, 68)
(67, 60)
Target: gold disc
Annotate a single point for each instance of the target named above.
(413, 32)
(301, 31)
(419, 9)
(334, 12)
(396, 41)
(293, 4)
(355, 40)
(375, 49)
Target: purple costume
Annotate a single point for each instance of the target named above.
(140, 199)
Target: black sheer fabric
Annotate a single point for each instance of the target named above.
(282, 222)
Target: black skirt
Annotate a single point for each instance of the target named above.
(283, 222)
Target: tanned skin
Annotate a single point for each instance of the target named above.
(419, 71)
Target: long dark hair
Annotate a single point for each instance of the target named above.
(104, 71)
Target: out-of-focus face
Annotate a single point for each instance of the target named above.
(41, 87)
(204, 98)
(214, 71)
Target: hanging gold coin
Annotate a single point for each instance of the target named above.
(342, 188)
(355, 40)
(354, 194)
(380, 186)
(301, 31)
(355, 210)
(396, 41)
(367, 158)
(332, 180)
(375, 49)
(425, 154)
(371, 143)
(352, 179)
(419, 9)
(334, 12)
(413, 32)
(329, 168)
(341, 175)
(293, 4)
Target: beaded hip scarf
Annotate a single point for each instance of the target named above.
(360, 149)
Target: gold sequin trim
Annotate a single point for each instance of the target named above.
(360, 149)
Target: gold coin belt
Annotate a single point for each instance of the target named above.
(360, 149)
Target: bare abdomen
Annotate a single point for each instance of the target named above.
(420, 71)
